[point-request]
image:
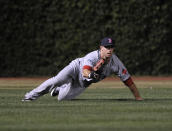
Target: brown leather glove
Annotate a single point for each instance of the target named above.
(99, 65)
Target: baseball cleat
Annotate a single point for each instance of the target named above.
(54, 92)
(25, 99)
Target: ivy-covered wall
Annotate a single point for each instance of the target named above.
(39, 38)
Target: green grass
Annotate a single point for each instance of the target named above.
(97, 109)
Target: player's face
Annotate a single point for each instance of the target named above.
(106, 51)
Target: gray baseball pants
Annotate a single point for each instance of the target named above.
(67, 81)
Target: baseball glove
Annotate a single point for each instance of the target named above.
(99, 65)
(97, 69)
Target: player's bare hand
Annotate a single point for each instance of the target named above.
(139, 99)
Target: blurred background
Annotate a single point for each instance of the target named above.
(40, 37)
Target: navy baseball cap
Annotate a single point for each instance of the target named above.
(107, 41)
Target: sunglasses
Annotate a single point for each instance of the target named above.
(109, 46)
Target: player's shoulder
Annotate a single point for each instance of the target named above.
(114, 56)
(93, 54)
(92, 57)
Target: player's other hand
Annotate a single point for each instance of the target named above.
(139, 99)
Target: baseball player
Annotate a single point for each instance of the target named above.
(82, 72)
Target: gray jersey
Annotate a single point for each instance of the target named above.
(114, 66)
(70, 82)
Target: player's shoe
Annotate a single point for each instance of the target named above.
(54, 92)
(27, 100)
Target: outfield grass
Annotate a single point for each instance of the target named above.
(99, 108)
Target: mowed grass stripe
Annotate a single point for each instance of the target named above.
(30, 84)
(98, 108)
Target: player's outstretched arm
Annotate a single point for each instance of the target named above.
(133, 89)
(135, 92)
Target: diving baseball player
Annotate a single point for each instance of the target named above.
(82, 72)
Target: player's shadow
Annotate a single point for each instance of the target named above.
(126, 100)
(158, 99)
(103, 100)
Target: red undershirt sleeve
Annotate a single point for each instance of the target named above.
(87, 67)
(129, 82)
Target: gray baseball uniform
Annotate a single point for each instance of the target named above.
(70, 81)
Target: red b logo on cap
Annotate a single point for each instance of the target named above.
(110, 40)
